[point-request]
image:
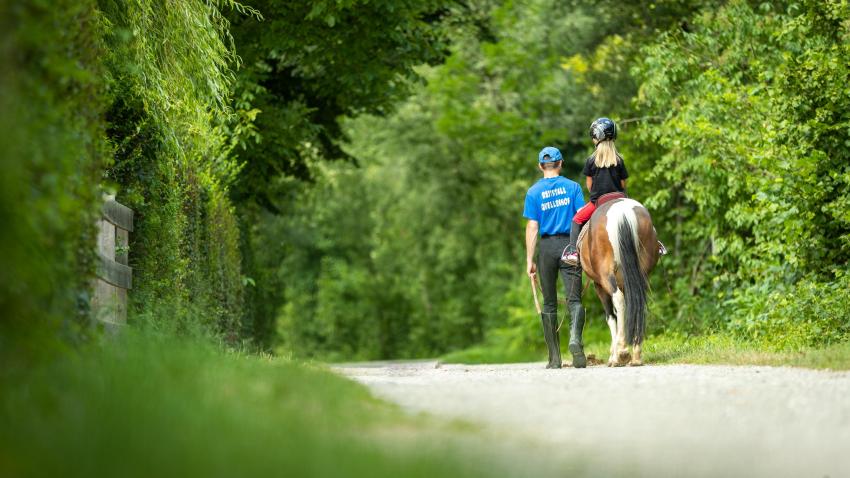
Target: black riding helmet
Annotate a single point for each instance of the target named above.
(602, 129)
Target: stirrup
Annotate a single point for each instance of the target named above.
(570, 258)
(661, 249)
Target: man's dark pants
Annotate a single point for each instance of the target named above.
(549, 265)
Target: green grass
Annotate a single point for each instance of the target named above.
(490, 353)
(720, 349)
(668, 348)
(152, 406)
(143, 406)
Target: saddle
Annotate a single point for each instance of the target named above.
(609, 197)
(599, 202)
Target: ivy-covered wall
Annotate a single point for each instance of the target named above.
(117, 96)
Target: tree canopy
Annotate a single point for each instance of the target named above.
(308, 64)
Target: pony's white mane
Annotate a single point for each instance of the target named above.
(623, 210)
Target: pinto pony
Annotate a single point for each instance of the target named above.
(618, 251)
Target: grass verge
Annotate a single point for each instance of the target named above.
(720, 349)
(143, 406)
(668, 348)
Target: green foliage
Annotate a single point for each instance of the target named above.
(147, 405)
(734, 127)
(132, 97)
(175, 133)
(809, 313)
(51, 151)
(437, 247)
(306, 66)
(309, 63)
(755, 173)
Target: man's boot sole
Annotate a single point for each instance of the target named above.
(579, 360)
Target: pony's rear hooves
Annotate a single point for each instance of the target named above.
(620, 360)
(635, 363)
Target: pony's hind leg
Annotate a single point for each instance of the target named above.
(622, 357)
(608, 307)
(612, 352)
(636, 360)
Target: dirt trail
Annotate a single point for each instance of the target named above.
(676, 420)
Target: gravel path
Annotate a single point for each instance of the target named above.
(676, 420)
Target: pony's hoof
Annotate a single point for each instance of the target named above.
(624, 357)
(636, 363)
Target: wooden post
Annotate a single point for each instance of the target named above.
(114, 276)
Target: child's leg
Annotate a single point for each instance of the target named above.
(581, 217)
(575, 230)
(583, 214)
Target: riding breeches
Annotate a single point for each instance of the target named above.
(583, 214)
(549, 265)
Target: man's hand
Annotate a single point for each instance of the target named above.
(531, 269)
(530, 243)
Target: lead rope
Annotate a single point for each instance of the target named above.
(536, 285)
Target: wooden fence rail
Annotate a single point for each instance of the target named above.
(114, 275)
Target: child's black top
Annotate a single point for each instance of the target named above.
(605, 180)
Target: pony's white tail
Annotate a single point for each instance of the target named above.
(623, 233)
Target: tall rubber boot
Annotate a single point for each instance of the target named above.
(556, 335)
(550, 324)
(576, 328)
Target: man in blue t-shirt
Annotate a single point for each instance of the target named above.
(550, 205)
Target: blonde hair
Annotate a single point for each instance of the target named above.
(606, 154)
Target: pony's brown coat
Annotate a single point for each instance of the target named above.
(598, 262)
(597, 254)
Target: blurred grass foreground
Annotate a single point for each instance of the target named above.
(156, 406)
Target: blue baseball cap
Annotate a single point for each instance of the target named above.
(553, 153)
